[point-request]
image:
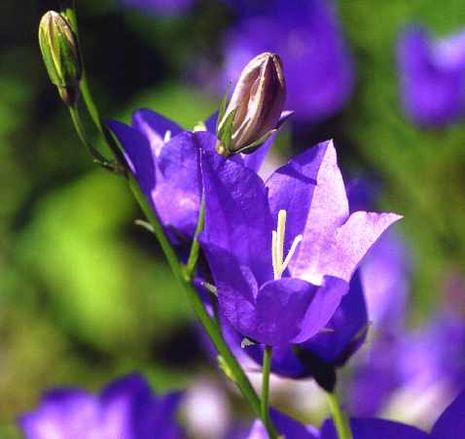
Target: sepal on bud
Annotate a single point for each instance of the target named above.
(61, 55)
(253, 113)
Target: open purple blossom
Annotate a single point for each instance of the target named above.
(125, 409)
(307, 36)
(282, 253)
(432, 76)
(163, 7)
(164, 159)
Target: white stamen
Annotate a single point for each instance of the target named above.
(167, 136)
(277, 246)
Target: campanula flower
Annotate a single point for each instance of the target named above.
(164, 159)
(282, 253)
(432, 76)
(307, 36)
(125, 409)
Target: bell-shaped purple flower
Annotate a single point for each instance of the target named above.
(307, 36)
(164, 159)
(432, 76)
(282, 254)
(125, 409)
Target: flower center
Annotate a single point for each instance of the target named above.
(277, 246)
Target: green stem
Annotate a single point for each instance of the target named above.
(78, 126)
(182, 274)
(212, 329)
(195, 248)
(339, 418)
(264, 406)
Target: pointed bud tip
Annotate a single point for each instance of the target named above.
(60, 52)
(255, 106)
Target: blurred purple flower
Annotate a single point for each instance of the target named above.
(306, 35)
(125, 409)
(256, 281)
(285, 425)
(450, 425)
(432, 76)
(164, 158)
(375, 428)
(163, 7)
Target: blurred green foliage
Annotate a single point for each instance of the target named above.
(84, 293)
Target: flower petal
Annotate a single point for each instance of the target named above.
(451, 424)
(291, 188)
(352, 241)
(178, 192)
(346, 330)
(375, 428)
(329, 209)
(156, 128)
(237, 216)
(286, 426)
(138, 153)
(325, 302)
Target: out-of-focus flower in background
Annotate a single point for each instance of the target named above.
(432, 76)
(308, 38)
(162, 7)
(125, 409)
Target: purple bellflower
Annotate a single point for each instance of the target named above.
(306, 35)
(282, 254)
(164, 159)
(163, 7)
(125, 409)
(432, 76)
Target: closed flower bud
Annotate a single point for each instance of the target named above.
(60, 52)
(254, 111)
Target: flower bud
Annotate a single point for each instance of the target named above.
(254, 110)
(60, 52)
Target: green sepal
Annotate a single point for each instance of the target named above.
(248, 149)
(226, 131)
(222, 107)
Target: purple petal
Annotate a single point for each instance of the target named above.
(329, 209)
(178, 192)
(325, 302)
(286, 426)
(385, 278)
(451, 424)
(352, 241)
(237, 216)
(280, 308)
(346, 330)
(211, 122)
(291, 188)
(138, 153)
(432, 89)
(375, 428)
(64, 414)
(155, 127)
